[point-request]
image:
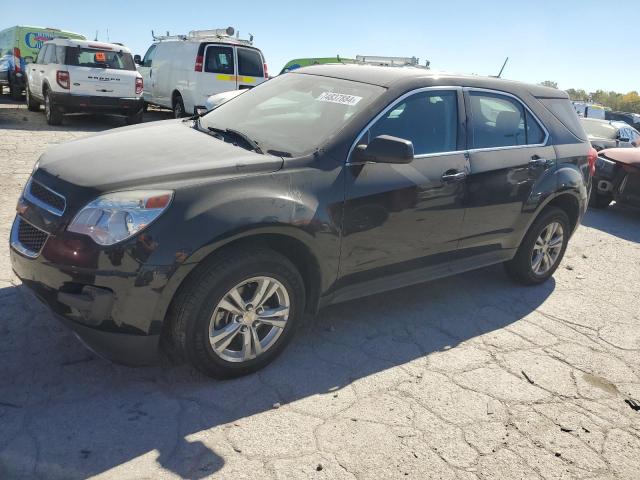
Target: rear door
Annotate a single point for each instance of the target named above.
(509, 157)
(251, 67)
(218, 73)
(101, 71)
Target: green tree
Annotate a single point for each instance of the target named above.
(549, 83)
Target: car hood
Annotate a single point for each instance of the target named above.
(151, 153)
(628, 156)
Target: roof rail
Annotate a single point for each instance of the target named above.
(225, 34)
(391, 61)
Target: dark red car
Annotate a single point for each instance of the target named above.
(617, 177)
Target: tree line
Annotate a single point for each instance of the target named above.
(622, 102)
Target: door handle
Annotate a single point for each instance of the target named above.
(453, 176)
(41, 71)
(539, 162)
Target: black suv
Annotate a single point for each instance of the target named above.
(212, 236)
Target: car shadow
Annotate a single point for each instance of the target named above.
(618, 220)
(67, 414)
(15, 116)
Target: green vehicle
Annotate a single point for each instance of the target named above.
(19, 46)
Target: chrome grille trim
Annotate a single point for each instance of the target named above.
(17, 245)
(49, 207)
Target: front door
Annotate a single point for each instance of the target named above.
(403, 218)
(509, 158)
(146, 70)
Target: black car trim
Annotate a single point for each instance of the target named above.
(45, 206)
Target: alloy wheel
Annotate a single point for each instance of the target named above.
(547, 248)
(249, 319)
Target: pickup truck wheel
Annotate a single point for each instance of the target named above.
(15, 91)
(32, 104)
(178, 106)
(135, 117)
(599, 200)
(542, 248)
(54, 117)
(237, 313)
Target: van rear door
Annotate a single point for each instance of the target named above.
(101, 71)
(251, 68)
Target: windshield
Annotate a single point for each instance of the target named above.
(600, 129)
(293, 113)
(96, 58)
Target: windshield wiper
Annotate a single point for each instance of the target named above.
(253, 145)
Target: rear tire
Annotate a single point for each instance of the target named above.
(32, 104)
(53, 116)
(195, 314)
(599, 200)
(178, 106)
(135, 117)
(15, 91)
(523, 268)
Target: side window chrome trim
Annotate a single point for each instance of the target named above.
(393, 104)
(524, 105)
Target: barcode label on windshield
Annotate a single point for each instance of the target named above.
(341, 98)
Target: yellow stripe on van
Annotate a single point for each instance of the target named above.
(233, 78)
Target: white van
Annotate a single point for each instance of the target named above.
(181, 72)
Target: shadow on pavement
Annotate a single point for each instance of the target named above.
(15, 116)
(67, 414)
(618, 220)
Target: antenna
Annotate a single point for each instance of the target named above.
(108, 39)
(96, 39)
(503, 65)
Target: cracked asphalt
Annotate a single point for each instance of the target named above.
(470, 377)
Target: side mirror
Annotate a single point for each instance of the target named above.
(385, 149)
(137, 60)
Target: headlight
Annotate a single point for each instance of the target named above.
(117, 216)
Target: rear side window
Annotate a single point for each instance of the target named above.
(250, 63)
(219, 60)
(41, 54)
(429, 119)
(501, 121)
(96, 58)
(564, 111)
(50, 54)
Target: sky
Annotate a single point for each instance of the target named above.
(566, 41)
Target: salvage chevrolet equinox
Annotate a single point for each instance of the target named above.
(211, 237)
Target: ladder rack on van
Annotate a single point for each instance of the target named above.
(391, 61)
(225, 34)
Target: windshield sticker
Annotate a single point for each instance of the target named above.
(341, 98)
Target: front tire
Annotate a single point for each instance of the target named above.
(237, 312)
(542, 248)
(53, 116)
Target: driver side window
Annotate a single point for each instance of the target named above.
(428, 119)
(148, 57)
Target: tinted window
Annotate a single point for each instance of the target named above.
(599, 128)
(535, 134)
(496, 121)
(428, 119)
(147, 61)
(96, 58)
(566, 114)
(249, 63)
(219, 60)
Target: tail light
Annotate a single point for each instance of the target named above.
(592, 157)
(266, 70)
(62, 77)
(139, 85)
(16, 54)
(199, 61)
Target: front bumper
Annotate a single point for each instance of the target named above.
(67, 103)
(115, 307)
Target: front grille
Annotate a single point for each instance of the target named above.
(29, 237)
(46, 198)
